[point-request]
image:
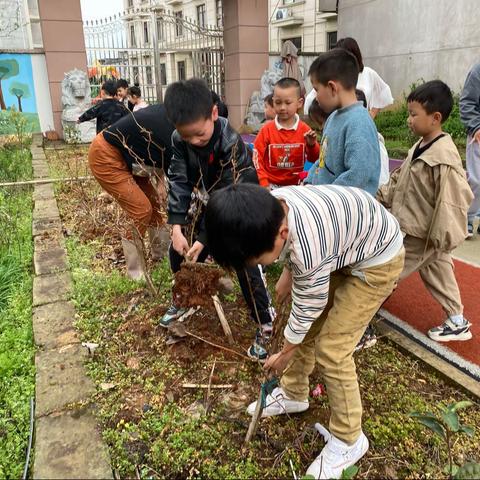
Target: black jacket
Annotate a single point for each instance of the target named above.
(106, 112)
(225, 160)
(147, 134)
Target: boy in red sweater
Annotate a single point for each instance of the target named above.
(282, 145)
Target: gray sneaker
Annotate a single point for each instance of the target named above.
(170, 315)
(449, 331)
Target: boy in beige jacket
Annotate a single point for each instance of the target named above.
(429, 195)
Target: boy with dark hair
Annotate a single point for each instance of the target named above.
(207, 155)
(268, 108)
(122, 93)
(282, 146)
(107, 111)
(350, 154)
(430, 196)
(343, 254)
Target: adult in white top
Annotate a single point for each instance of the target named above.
(377, 92)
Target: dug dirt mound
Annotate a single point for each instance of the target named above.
(195, 283)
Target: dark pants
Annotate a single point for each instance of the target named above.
(260, 298)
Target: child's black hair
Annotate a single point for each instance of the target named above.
(242, 222)
(188, 101)
(110, 87)
(122, 83)
(287, 82)
(336, 65)
(351, 45)
(434, 96)
(316, 112)
(361, 97)
(269, 99)
(134, 91)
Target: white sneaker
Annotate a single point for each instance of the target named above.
(336, 455)
(277, 403)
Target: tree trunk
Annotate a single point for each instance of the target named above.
(19, 98)
(2, 101)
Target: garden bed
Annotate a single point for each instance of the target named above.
(17, 370)
(157, 412)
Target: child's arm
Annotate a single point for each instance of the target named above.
(180, 192)
(361, 161)
(260, 148)
(91, 113)
(385, 192)
(312, 146)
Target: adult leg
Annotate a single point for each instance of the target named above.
(473, 173)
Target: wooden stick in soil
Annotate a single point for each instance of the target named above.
(223, 320)
(141, 255)
(204, 386)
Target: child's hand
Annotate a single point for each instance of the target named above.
(311, 138)
(195, 251)
(179, 242)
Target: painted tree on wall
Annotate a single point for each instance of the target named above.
(20, 90)
(8, 68)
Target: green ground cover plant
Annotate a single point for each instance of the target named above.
(156, 426)
(17, 371)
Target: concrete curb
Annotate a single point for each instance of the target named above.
(68, 443)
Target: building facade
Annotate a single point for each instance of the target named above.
(409, 41)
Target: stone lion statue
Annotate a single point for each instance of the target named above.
(76, 98)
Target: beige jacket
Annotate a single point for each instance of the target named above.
(430, 196)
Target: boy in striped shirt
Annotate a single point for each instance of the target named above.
(343, 255)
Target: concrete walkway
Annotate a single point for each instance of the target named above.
(67, 441)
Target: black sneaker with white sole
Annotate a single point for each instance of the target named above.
(369, 339)
(450, 332)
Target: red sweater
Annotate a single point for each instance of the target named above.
(279, 154)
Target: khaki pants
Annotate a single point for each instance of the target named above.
(136, 195)
(437, 272)
(332, 339)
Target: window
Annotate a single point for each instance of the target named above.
(130, 3)
(179, 24)
(133, 41)
(219, 9)
(331, 40)
(201, 15)
(148, 74)
(163, 74)
(135, 75)
(145, 32)
(160, 30)
(297, 41)
(181, 70)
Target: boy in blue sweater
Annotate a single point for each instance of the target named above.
(350, 154)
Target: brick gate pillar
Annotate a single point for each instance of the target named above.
(246, 52)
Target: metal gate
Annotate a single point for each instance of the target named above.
(153, 47)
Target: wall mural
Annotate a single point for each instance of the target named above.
(17, 92)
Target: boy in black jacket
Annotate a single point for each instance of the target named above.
(108, 110)
(208, 154)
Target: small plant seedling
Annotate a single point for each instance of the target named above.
(347, 474)
(446, 426)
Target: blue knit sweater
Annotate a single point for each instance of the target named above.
(350, 154)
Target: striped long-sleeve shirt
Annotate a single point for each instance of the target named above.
(331, 227)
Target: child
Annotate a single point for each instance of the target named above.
(207, 155)
(384, 158)
(268, 108)
(122, 158)
(134, 95)
(122, 91)
(343, 254)
(107, 111)
(281, 146)
(350, 154)
(430, 196)
(470, 115)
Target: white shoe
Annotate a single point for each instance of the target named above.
(336, 455)
(277, 403)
